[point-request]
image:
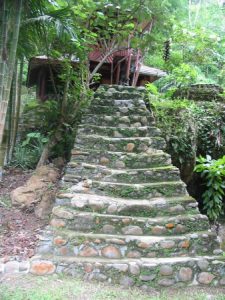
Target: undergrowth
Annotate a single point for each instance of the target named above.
(191, 130)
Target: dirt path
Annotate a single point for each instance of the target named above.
(19, 230)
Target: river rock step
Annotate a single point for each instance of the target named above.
(115, 246)
(115, 224)
(130, 144)
(121, 88)
(127, 190)
(117, 132)
(103, 101)
(118, 121)
(140, 110)
(156, 207)
(98, 172)
(120, 160)
(143, 272)
(117, 95)
(133, 191)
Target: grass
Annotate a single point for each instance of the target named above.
(67, 288)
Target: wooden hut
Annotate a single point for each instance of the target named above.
(119, 68)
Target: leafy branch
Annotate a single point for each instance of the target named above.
(213, 173)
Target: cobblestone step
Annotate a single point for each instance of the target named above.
(123, 215)
(118, 121)
(127, 190)
(117, 95)
(133, 191)
(117, 132)
(162, 206)
(136, 102)
(131, 144)
(98, 172)
(113, 246)
(144, 272)
(121, 160)
(140, 110)
(121, 88)
(114, 224)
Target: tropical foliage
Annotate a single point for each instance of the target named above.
(213, 173)
(197, 40)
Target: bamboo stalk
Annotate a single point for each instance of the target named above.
(3, 50)
(12, 113)
(7, 78)
(11, 63)
(17, 107)
(9, 118)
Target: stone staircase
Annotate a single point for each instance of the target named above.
(123, 215)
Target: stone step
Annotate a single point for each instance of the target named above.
(121, 88)
(131, 191)
(81, 171)
(137, 102)
(117, 132)
(123, 215)
(156, 207)
(121, 160)
(117, 95)
(118, 121)
(114, 224)
(144, 273)
(70, 243)
(119, 111)
(127, 190)
(135, 144)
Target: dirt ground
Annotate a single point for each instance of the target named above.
(19, 229)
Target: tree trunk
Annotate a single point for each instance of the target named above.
(45, 154)
(102, 62)
(57, 134)
(10, 113)
(11, 63)
(17, 107)
(5, 86)
(3, 45)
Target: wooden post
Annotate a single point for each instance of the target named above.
(118, 73)
(111, 74)
(128, 67)
(137, 69)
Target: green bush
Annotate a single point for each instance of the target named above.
(213, 173)
(28, 152)
(44, 115)
(151, 89)
(190, 128)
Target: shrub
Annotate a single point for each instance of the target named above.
(151, 88)
(213, 173)
(28, 152)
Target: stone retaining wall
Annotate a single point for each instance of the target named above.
(141, 273)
